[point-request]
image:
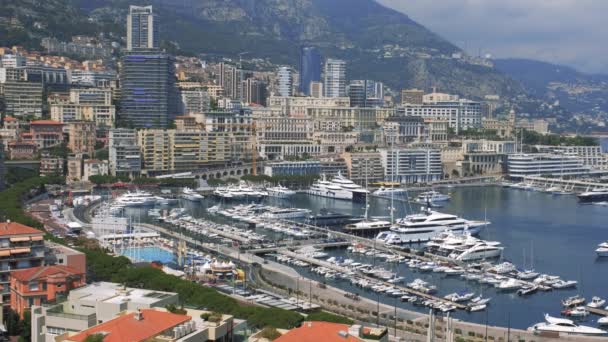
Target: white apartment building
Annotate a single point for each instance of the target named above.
(335, 78)
(91, 104)
(546, 164)
(412, 165)
(124, 153)
(460, 115)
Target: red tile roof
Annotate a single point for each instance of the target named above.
(127, 328)
(14, 228)
(46, 122)
(9, 118)
(42, 272)
(318, 332)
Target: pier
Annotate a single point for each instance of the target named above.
(568, 184)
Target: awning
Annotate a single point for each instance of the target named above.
(5, 253)
(20, 250)
(20, 239)
(37, 238)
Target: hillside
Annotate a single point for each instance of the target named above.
(378, 42)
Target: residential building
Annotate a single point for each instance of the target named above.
(283, 129)
(82, 137)
(437, 130)
(546, 164)
(335, 78)
(94, 167)
(293, 168)
(41, 285)
(20, 247)
(460, 114)
(348, 118)
(298, 106)
(310, 69)
(184, 123)
(285, 82)
(254, 92)
(331, 167)
(91, 305)
(316, 89)
(86, 50)
(124, 153)
(336, 141)
(404, 129)
(22, 98)
(94, 78)
(366, 93)
(412, 165)
(283, 150)
(149, 96)
(334, 332)
(364, 166)
(86, 104)
(75, 168)
(13, 60)
(18, 150)
(11, 123)
(45, 133)
(142, 28)
(412, 96)
(51, 165)
(230, 79)
(194, 101)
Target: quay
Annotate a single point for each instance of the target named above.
(597, 311)
(569, 184)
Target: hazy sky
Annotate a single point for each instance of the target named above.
(571, 32)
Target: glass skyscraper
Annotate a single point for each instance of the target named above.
(310, 68)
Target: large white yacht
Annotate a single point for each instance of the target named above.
(595, 195)
(136, 199)
(191, 195)
(464, 247)
(432, 196)
(280, 191)
(424, 226)
(564, 326)
(339, 188)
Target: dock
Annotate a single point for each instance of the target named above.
(597, 311)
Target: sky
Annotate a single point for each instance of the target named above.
(569, 32)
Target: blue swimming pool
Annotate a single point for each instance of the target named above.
(149, 254)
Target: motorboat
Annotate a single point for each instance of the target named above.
(579, 311)
(596, 302)
(565, 326)
(527, 290)
(285, 213)
(603, 321)
(432, 196)
(280, 191)
(338, 188)
(595, 195)
(389, 191)
(509, 285)
(564, 284)
(527, 275)
(459, 296)
(191, 195)
(479, 300)
(573, 301)
(602, 249)
(503, 268)
(367, 226)
(423, 226)
(477, 307)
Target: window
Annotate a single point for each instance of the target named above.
(33, 286)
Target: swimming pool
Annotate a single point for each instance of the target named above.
(149, 254)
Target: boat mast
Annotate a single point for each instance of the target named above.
(392, 183)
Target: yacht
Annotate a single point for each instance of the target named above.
(367, 226)
(136, 199)
(280, 191)
(432, 196)
(389, 191)
(480, 251)
(565, 326)
(191, 195)
(596, 302)
(424, 226)
(602, 249)
(339, 188)
(285, 213)
(595, 195)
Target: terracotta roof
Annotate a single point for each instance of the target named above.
(46, 122)
(127, 328)
(42, 272)
(318, 332)
(9, 118)
(14, 228)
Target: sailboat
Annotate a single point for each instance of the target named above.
(528, 274)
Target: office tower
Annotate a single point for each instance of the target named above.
(335, 78)
(310, 68)
(142, 28)
(285, 82)
(149, 95)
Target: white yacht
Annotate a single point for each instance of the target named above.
(339, 188)
(595, 195)
(191, 195)
(602, 249)
(480, 251)
(464, 247)
(389, 191)
(432, 196)
(424, 226)
(280, 191)
(285, 213)
(136, 199)
(565, 326)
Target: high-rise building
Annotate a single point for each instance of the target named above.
(310, 68)
(124, 154)
(142, 28)
(335, 78)
(194, 101)
(254, 91)
(149, 95)
(285, 82)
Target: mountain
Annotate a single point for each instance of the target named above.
(379, 43)
(575, 91)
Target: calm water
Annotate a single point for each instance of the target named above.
(149, 254)
(561, 234)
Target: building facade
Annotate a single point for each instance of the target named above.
(285, 82)
(87, 104)
(335, 78)
(546, 165)
(310, 68)
(82, 137)
(460, 115)
(412, 165)
(142, 28)
(124, 153)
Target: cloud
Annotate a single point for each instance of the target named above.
(571, 32)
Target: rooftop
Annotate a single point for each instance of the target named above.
(14, 228)
(130, 328)
(43, 272)
(46, 122)
(319, 331)
(116, 293)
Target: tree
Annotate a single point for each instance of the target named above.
(94, 338)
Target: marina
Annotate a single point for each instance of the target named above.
(514, 230)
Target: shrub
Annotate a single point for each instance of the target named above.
(269, 333)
